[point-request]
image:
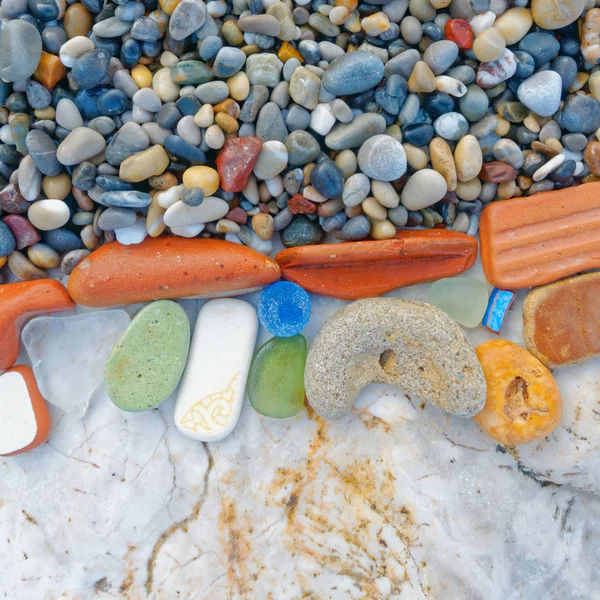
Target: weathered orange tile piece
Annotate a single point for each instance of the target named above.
(21, 301)
(355, 270)
(50, 70)
(169, 267)
(561, 321)
(539, 239)
(27, 431)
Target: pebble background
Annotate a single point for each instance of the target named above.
(126, 119)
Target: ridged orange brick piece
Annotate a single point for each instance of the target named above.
(21, 301)
(24, 414)
(169, 267)
(355, 270)
(561, 321)
(542, 238)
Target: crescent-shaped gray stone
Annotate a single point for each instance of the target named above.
(410, 345)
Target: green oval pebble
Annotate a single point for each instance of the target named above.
(147, 363)
(464, 299)
(276, 379)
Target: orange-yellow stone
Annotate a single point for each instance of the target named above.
(50, 70)
(78, 20)
(288, 51)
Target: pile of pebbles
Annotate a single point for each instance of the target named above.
(370, 117)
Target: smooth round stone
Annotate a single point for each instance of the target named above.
(20, 50)
(423, 188)
(474, 104)
(68, 115)
(130, 52)
(182, 215)
(38, 96)
(507, 151)
(284, 309)
(576, 142)
(62, 240)
(112, 27)
(352, 73)
(525, 64)
(193, 196)
(91, 68)
(184, 151)
(210, 46)
(42, 150)
(112, 183)
(270, 124)
(116, 218)
(112, 102)
(581, 114)
(46, 215)
(297, 118)
(566, 67)
(355, 133)
(145, 29)
(356, 189)
(84, 176)
(71, 50)
(418, 134)
(275, 384)
(464, 299)
(305, 87)
(126, 199)
(8, 243)
(130, 11)
(382, 157)
(81, 144)
(272, 160)
(554, 14)
(438, 103)
(148, 99)
(451, 126)
(129, 140)
(264, 69)
(543, 47)
(146, 364)
(439, 56)
(327, 178)
(301, 232)
(212, 92)
(30, 179)
(43, 256)
(356, 228)
(302, 148)
(541, 93)
(228, 62)
(132, 234)
(188, 16)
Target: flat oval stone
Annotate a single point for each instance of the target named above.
(352, 73)
(581, 114)
(353, 134)
(382, 157)
(80, 145)
(328, 179)
(302, 147)
(464, 299)
(129, 140)
(126, 199)
(48, 214)
(423, 188)
(116, 218)
(91, 68)
(42, 150)
(276, 379)
(188, 16)
(20, 50)
(146, 364)
(182, 215)
(213, 386)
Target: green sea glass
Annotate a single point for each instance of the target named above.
(464, 299)
(276, 380)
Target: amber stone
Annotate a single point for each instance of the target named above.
(497, 172)
(50, 70)
(78, 21)
(288, 51)
(591, 156)
(299, 205)
(229, 106)
(236, 161)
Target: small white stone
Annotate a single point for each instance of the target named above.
(68, 115)
(451, 86)
(133, 234)
(48, 214)
(481, 22)
(189, 231)
(6, 135)
(423, 188)
(147, 99)
(139, 115)
(182, 215)
(550, 166)
(205, 116)
(322, 119)
(385, 193)
(18, 425)
(29, 178)
(213, 385)
(72, 49)
(170, 196)
(275, 186)
(81, 144)
(272, 159)
(189, 131)
(214, 137)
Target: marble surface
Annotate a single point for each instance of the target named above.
(397, 500)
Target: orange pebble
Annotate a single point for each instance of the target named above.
(21, 301)
(50, 70)
(523, 402)
(25, 422)
(288, 51)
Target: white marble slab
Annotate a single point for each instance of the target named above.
(395, 501)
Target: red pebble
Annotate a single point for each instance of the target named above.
(459, 32)
(237, 215)
(25, 233)
(236, 161)
(11, 200)
(497, 172)
(299, 205)
(263, 208)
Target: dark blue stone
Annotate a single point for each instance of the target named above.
(37, 95)
(94, 6)
(566, 67)
(130, 52)
(112, 102)
(564, 172)
(184, 151)
(111, 45)
(4, 92)
(168, 116)
(310, 51)
(438, 104)
(570, 47)
(58, 93)
(542, 46)
(392, 33)
(284, 309)
(113, 183)
(62, 240)
(357, 228)
(188, 105)
(17, 102)
(7, 240)
(87, 103)
(44, 10)
(53, 38)
(419, 134)
(84, 176)
(334, 222)
(91, 69)
(9, 154)
(151, 49)
(432, 31)
(193, 196)
(525, 64)
(145, 29)
(256, 7)
(327, 178)
(397, 86)
(581, 114)
(150, 5)
(388, 103)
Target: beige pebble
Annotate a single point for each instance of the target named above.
(422, 79)
(594, 84)
(468, 190)
(553, 143)
(489, 45)
(72, 259)
(23, 268)
(43, 256)
(382, 230)
(415, 157)
(239, 86)
(339, 15)
(468, 158)
(163, 85)
(168, 59)
(310, 193)
(57, 187)
(503, 126)
(423, 188)
(375, 24)
(214, 137)
(45, 113)
(262, 223)
(514, 24)
(373, 209)
(579, 82)
(532, 124)
(227, 226)
(205, 117)
(507, 189)
(440, 3)
(205, 178)
(89, 238)
(385, 194)
(154, 218)
(451, 86)
(554, 14)
(148, 163)
(442, 161)
(346, 160)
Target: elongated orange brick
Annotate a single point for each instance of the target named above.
(539, 239)
(355, 270)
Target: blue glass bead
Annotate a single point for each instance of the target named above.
(284, 309)
(498, 306)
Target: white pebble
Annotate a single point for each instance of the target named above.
(134, 234)
(322, 119)
(550, 166)
(189, 131)
(48, 214)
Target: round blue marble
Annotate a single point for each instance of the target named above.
(284, 309)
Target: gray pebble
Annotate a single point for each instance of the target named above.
(383, 158)
(20, 50)
(188, 16)
(297, 117)
(302, 148)
(130, 139)
(228, 62)
(353, 134)
(264, 69)
(440, 56)
(212, 92)
(270, 124)
(474, 104)
(352, 73)
(115, 218)
(451, 126)
(576, 142)
(256, 99)
(42, 150)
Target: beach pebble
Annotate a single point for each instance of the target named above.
(464, 299)
(81, 144)
(423, 188)
(48, 214)
(284, 309)
(182, 215)
(382, 157)
(541, 93)
(451, 126)
(352, 73)
(20, 50)
(188, 16)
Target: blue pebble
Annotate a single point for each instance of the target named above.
(388, 103)
(566, 67)
(53, 37)
(87, 103)
(111, 45)
(126, 199)
(4, 92)
(184, 151)
(168, 116)
(328, 179)
(432, 31)
(356, 228)
(438, 104)
(145, 29)
(44, 10)
(91, 68)
(130, 11)
(113, 183)
(570, 47)
(62, 240)
(94, 6)
(130, 52)
(498, 306)
(334, 222)
(7, 240)
(284, 309)
(188, 105)
(151, 49)
(525, 64)
(37, 95)
(210, 46)
(543, 47)
(419, 134)
(112, 102)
